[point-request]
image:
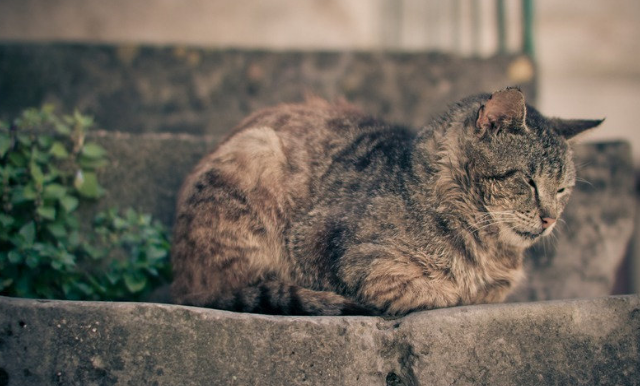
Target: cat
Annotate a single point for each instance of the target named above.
(318, 209)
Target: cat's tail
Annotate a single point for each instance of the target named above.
(280, 298)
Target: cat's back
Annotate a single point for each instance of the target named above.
(279, 150)
(316, 127)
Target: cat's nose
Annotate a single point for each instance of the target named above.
(547, 222)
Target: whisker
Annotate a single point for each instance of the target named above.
(489, 221)
(582, 180)
(582, 165)
(566, 226)
(495, 223)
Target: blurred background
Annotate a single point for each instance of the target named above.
(585, 53)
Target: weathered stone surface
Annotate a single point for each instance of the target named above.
(146, 171)
(586, 342)
(208, 91)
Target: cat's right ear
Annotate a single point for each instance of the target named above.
(505, 110)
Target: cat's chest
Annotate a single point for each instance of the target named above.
(489, 277)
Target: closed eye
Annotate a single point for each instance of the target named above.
(561, 190)
(503, 176)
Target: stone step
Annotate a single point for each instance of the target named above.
(207, 91)
(586, 342)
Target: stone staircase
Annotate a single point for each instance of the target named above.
(161, 108)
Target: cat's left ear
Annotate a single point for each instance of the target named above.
(505, 110)
(569, 128)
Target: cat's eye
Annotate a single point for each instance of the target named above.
(503, 176)
(561, 190)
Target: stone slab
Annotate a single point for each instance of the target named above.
(207, 91)
(590, 342)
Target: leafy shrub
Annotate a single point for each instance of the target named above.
(47, 168)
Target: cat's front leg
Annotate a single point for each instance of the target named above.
(395, 284)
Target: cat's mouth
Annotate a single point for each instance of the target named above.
(528, 235)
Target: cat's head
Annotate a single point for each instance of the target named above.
(521, 165)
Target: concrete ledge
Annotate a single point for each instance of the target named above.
(593, 341)
(208, 91)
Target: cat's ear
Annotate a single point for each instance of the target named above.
(505, 110)
(569, 128)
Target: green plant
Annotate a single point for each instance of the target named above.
(47, 168)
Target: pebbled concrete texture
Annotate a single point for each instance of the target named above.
(591, 341)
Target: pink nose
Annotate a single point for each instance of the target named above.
(547, 222)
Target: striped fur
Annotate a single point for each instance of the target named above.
(318, 209)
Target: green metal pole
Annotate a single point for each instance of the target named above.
(502, 27)
(527, 28)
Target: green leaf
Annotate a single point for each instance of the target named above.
(87, 185)
(6, 220)
(93, 252)
(131, 215)
(85, 289)
(22, 194)
(74, 239)
(65, 259)
(48, 109)
(152, 271)
(32, 260)
(62, 128)
(154, 253)
(28, 233)
(5, 143)
(119, 223)
(78, 179)
(58, 150)
(112, 277)
(134, 283)
(45, 141)
(93, 150)
(14, 257)
(54, 191)
(41, 158)
(57, 230)
(5, 283)
(47, 212)
(69, 203)
(17, 159)
(92, 163)
(24, 140)
(36, 173)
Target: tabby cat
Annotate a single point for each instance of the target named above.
(319, 209)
